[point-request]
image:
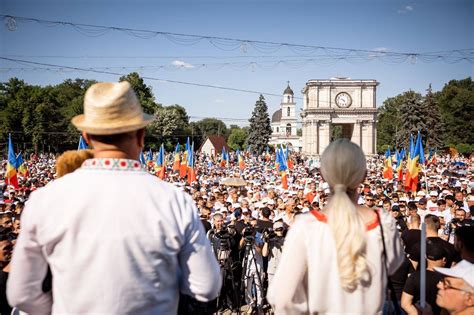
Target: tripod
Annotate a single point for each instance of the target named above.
(248, 261)
(224, 258)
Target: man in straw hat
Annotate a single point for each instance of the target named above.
(117, 239)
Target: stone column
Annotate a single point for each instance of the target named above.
(324, 135)
(374, 139)
(369, 138)
(356, 133)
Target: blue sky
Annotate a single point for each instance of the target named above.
(394, 26)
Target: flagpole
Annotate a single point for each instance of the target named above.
(423, 266)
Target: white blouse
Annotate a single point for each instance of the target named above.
(307, 278)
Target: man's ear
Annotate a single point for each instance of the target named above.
(141, 137)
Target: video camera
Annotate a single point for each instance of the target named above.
(248, 233)
(268, 234)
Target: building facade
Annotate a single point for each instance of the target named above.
(339, 108)
(284, 122)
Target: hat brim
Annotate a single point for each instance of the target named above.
(111, 128)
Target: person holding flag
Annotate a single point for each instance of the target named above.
(11, 177)
(183, 168)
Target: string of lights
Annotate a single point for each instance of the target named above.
(233, 44)
(181, 65)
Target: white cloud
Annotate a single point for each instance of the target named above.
(182, 64)
(405, 9)
(219, 101)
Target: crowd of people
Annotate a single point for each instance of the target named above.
(244, 229)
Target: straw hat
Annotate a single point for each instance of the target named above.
(111, 108)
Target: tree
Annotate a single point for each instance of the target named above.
(144, 93)
(434, 135)
(212, 126)
(456, 104)
(412, 118)
(237, 138)
(388, 122)
(260, 128)
(170, 125)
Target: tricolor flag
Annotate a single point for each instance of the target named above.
(288, 160)
(142, 158)
(176, 161)
(149, 157)
(223, 157)
(82, 144)
(282, 169)
(399, 168)
(417, 159)
(277, 158)
(431, 158)
(22, 169)
(191, 171)
(161, 163)
(241, 160)
(387, 167)
(183, 168)
(10, 176)
(411, 153)
(267, 154)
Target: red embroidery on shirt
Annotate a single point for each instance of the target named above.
(123, 164)
(107, 162)
(368, 226)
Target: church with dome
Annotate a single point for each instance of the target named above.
(284, 123)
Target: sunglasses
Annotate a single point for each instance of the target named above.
(279, 230)
(369, 200)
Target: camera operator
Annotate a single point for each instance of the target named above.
(252, 267)
(223, 244)
(273, 247)
(459, 216)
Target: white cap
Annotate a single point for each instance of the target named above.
(421, 193)
(434, 194)
(463, 270)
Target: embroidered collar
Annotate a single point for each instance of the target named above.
(112, 164)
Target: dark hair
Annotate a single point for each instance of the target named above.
(412, 206)
(113, 139)
(441, 202)
(432, 222)
(449, 197)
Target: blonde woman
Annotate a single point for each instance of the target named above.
(333, 262)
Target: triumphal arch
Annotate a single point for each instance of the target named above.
(339, 108)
